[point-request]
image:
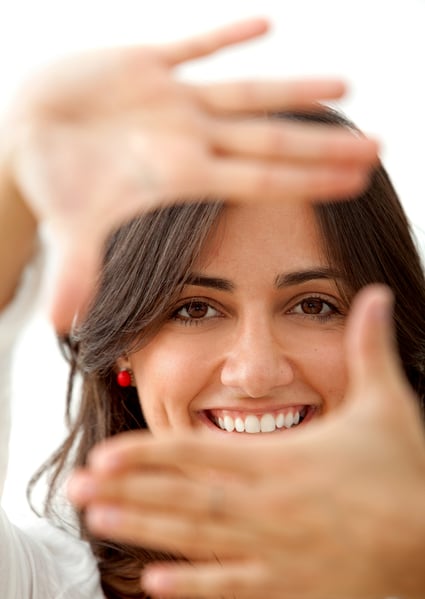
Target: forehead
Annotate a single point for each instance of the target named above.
(270, 236)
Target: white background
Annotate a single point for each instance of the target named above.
(378, 46)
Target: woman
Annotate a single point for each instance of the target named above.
(237, 326)
(67, 139)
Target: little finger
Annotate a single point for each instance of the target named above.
(238, 179)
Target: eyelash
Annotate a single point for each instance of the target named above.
(334, 311)
(188, 321)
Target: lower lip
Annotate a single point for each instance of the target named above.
(311, 413)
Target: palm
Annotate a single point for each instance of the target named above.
(102, 137)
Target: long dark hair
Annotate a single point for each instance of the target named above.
(146, 262)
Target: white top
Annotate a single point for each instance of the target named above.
(42, 562)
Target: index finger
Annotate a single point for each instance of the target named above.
(205, 44)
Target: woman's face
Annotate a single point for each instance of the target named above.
(255, 343)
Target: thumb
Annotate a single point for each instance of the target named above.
(75, 277)
(372, 359)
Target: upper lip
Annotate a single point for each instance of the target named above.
(257, 408)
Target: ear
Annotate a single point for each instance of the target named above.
(124, 373)
(123, 363)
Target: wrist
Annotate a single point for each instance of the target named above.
(18, 227)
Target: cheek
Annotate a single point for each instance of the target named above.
(323, 368)
(169, 374)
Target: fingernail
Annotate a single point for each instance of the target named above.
(382, 310)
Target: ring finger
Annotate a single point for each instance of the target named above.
(283, 139)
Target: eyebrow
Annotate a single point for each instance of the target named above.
(302, 276)
(282, 280)
(212, 282)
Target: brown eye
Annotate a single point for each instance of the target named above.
(313, 305)
(316, 308)
(196, 309)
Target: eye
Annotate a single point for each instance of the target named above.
(315, 307)
(195, 310)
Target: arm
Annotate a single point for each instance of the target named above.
(17, 235)
(45, 563)
(89, 144)
(17, 243)
(99, 144)
(17, 246)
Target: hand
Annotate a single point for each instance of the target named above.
(100, 138)
(332, 510)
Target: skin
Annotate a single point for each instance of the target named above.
(89, 143)
(80, 131)
(253, 349)
(328, 513)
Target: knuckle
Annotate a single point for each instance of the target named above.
(276, 141)
(267, 181)
(246, 93)
(190, 534)
(124, 488)
(197, 46)
(178, 491)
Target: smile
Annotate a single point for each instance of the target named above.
(267, 422)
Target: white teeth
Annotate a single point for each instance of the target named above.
(267, 423)
(252, 424)
(229, 424)
(280, 420)
(289, 420)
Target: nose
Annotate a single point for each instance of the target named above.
(256, 362)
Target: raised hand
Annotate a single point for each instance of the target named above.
(99, 138)
(329, 511)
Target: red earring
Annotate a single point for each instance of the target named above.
(124, 377)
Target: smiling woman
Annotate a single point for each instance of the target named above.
(224, 322)
(255, 336)
(231, 321)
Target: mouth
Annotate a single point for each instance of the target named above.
(282, 419)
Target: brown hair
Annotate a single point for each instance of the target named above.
(146, 263)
